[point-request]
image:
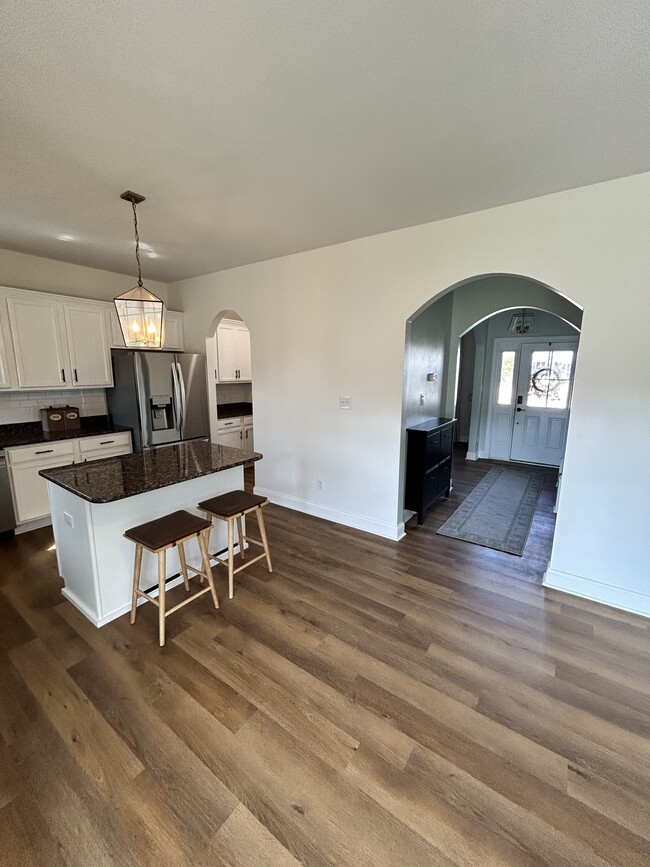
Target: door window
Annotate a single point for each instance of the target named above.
(550, 378)
(506, 377)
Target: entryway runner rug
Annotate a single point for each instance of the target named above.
(499, 511)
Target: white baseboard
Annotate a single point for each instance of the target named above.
(394, 532)
(26, 526)
(597, 591)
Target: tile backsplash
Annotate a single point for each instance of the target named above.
(235, 392)
(22, 406)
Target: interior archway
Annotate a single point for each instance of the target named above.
(434, 334)
(223, 393)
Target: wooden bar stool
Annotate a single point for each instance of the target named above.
(232, 507)
(158, 536)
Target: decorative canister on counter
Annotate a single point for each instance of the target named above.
(52, 419)
(71, 418)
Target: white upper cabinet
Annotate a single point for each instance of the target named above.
(87, 327)
(39, 346)
(233, 351)
(53, 341)
(173, 330)
(7, 361)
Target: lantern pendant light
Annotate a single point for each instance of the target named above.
(140, 312)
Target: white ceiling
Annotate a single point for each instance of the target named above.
(257, 128)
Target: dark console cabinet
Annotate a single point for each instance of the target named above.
(429, 449)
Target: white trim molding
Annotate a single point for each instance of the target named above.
(597, 591)
(395, 532)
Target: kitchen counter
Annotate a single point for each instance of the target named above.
(93, 504)
(105, 481)
(233, 410)
(29, 433)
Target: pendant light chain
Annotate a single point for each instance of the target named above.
(137, 244)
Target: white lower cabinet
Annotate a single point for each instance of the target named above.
(236, 432)
(29, 490)
(248, 434)
(230, 432)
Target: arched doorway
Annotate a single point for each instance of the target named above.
(230, 380)
(450, 354)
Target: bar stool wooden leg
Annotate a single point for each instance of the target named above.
(231, 556)
(241, 538)
(162, 574)
(136, 581)
(181, 557)
(265, 541)
(205, 558)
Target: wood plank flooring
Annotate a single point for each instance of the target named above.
(368, 703)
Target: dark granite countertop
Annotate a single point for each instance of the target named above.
(111, 479)
(31, 432)
(232, 410)
(430, 423)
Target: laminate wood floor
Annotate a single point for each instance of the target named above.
(368, 703)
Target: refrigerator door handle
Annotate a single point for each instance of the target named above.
(178, 406)
(181, 382)
(145, 425)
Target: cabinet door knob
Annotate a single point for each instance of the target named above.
(76, 378)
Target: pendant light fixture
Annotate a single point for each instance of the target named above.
(522, 323)
(140, 311)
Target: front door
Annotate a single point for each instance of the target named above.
(542, 401)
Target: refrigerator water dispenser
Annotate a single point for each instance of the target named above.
(162, 415)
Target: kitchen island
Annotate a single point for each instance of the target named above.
(92, 504)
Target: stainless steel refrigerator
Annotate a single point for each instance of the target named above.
(161, 396)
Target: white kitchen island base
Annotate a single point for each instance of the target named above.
(96, 561)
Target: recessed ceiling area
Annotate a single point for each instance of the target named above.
(257, 129)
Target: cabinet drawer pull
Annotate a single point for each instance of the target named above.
(62, 375)
(106, 442)
(228, 423)
(44, 452)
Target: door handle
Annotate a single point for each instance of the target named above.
(519, 409)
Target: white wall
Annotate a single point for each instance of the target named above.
(331, 321)
(46, 275)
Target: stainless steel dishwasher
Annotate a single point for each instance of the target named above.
(7, 518)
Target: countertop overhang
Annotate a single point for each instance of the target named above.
(111, 479)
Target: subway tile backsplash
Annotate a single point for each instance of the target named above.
(22, 406)
(234, 392)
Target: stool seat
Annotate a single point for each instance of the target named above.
(166, 531)
(157, 536)
(234, 507)
(232, 503)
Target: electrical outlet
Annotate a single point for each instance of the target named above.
(421, 400)
(320, 484)
(345, 402)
